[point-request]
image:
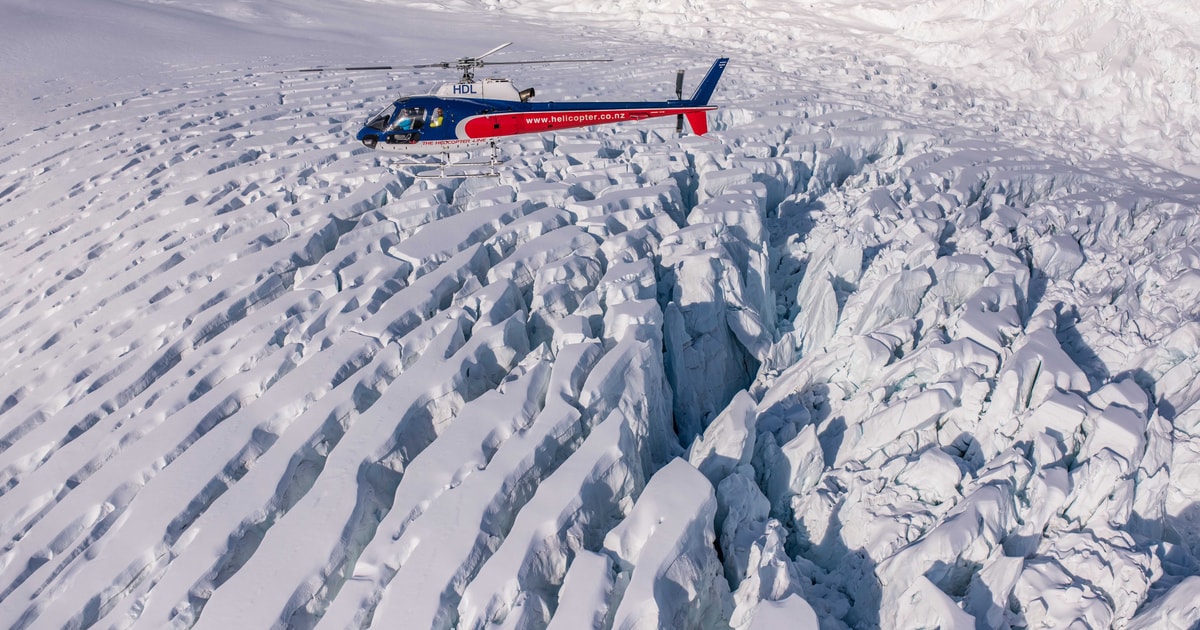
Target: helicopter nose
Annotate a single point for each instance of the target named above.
(370, 141)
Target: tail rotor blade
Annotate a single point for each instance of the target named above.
(679, 95)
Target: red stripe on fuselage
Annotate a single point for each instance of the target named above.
(513, 123)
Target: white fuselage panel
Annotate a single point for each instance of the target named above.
(494, 89)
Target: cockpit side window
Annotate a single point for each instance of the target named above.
(409, 119)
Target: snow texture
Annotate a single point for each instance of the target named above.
(910, 339)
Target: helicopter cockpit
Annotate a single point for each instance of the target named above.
(397, 118)
(401, 124)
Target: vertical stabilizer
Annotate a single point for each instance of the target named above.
(698, 121)
(709, 84)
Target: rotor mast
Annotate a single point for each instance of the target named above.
(466, 64)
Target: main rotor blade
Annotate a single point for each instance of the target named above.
(513, 63)
(350, 69)
(448, 64)
(500, 47)
(454, 64)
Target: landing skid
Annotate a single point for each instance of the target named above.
(445, 169)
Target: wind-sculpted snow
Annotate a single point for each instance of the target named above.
(834, 365)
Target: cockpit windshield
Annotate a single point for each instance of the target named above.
(380, 121)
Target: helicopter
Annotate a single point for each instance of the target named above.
(471, 114)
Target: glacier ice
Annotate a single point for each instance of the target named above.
(879, 351)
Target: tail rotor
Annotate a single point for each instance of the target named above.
(679, 96)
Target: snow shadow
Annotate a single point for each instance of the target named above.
(851, 572)
(1183, 557)
(1076, 347)
(794, 219)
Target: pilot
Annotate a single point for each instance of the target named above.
(409, 119)
(437, 117)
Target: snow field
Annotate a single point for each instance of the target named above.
(830, 365)
(1092, 76)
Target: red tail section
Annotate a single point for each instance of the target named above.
(698, 121)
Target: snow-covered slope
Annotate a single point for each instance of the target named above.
(875, 353)
(1123, 73)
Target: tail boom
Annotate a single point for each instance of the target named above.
(543, 117)
(515, 123)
